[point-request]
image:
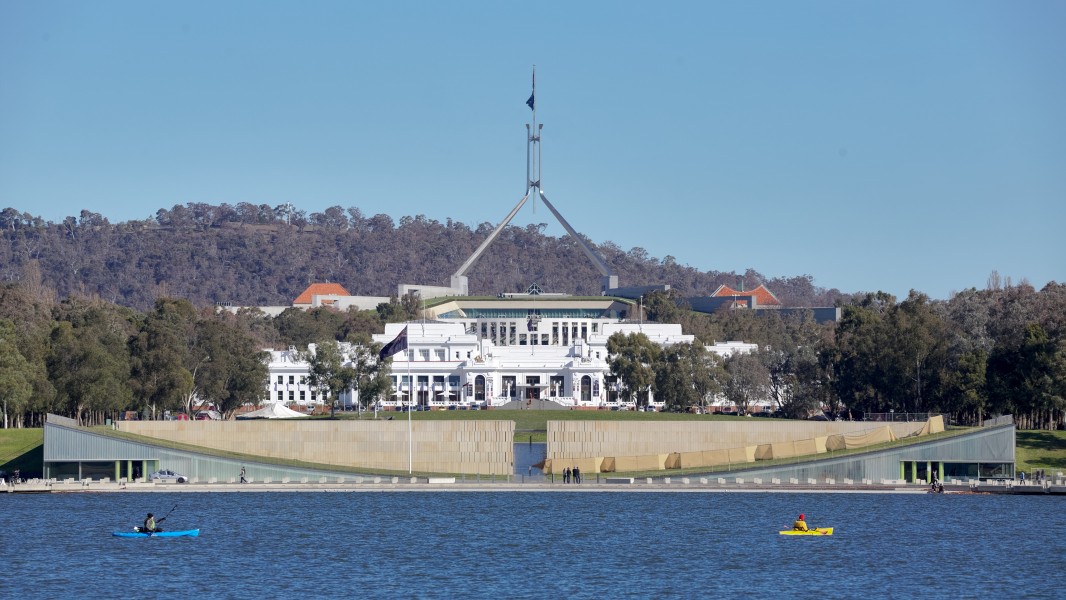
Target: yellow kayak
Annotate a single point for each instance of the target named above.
(815, 531)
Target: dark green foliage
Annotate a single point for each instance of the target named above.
(633, 359)
(978, 354)
(255, 255)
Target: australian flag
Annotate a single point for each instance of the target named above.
(397, 345)
(529, 102)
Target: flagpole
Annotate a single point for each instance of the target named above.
(410, 433)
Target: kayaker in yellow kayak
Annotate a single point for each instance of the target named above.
(800, 524)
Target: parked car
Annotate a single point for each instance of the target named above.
(168, 475)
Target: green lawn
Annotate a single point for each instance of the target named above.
(535, 422)
(22, 449)
(1041, 450)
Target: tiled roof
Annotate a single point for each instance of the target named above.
(320, 289)
(763, 296)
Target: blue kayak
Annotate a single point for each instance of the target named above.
(178, 533)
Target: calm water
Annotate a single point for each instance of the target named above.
(533, 545)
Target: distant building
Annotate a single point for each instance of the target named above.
(758, 299)
(527, 351)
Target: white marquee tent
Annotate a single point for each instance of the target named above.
(272, 411)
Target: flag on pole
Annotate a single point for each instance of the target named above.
(397, 345)
(529, 102)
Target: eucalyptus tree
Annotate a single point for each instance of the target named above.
(159, 357)
(748, 381)
(1029, 380)
(859, 363)
(633, 360)
(16, 376)
(372, 376)
(685, 376)
(89, 369)
(232, 369)
(328, 371)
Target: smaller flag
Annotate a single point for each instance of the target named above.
(529, 102)
(397, 345)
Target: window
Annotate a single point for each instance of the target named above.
(556, 385)
(422, 389)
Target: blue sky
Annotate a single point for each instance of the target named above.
(874, 146)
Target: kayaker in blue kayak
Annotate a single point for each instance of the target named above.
(800, 524)
(150, 524)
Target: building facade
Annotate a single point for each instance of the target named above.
(521, 352)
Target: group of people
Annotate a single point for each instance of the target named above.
(572, 475)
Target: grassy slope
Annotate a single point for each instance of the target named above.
(1041, 450)
(22, 449)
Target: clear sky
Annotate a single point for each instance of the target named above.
(874, 146)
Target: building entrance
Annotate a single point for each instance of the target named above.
(532, 387)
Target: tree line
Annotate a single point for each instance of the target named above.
(257, 255)
(981, 353)
(92, 360)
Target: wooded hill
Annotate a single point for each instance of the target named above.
(248, 255)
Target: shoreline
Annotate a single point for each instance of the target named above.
(421, 486)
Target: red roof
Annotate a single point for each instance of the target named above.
(763, 296)
(320, 289)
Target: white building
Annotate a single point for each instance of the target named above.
(489, 353)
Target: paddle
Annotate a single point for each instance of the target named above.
(164, 518)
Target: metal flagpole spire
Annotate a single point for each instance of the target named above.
(533, 144)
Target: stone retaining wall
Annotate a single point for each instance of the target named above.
(470, 447)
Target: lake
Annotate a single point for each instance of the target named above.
(533, 545)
